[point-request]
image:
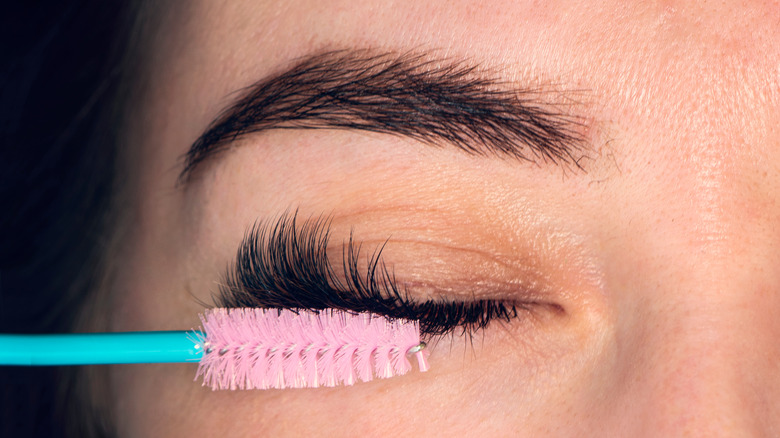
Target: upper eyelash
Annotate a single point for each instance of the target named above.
(284, 265)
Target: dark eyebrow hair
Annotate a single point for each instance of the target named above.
(414, 95)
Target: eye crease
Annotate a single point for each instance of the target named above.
(285, 265)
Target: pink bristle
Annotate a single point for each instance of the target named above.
(271, 348)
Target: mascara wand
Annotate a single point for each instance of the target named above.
(246, 348)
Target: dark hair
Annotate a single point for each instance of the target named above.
(61, 81)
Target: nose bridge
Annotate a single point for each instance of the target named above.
(699, 348)
(696, 261)
(698, 338)
(689, 371)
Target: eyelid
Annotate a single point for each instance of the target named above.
(459, 273)
(285, 265)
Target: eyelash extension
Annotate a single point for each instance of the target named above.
(286, 266)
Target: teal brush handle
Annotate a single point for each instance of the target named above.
(101, 348)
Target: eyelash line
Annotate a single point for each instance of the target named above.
(282, 265)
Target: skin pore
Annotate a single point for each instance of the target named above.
(650, 271)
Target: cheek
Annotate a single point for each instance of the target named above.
(490, 386)
(155, 400)
(158, 402)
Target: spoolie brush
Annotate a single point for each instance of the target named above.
(261, 349)
(247, 348)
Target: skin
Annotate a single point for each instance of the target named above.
(654, 270)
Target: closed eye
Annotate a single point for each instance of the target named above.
(285, 265)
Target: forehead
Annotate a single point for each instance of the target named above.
(644, 60)
(683, 85)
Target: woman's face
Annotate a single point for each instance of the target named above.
(645, 261)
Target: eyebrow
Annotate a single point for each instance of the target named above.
(415, 95)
